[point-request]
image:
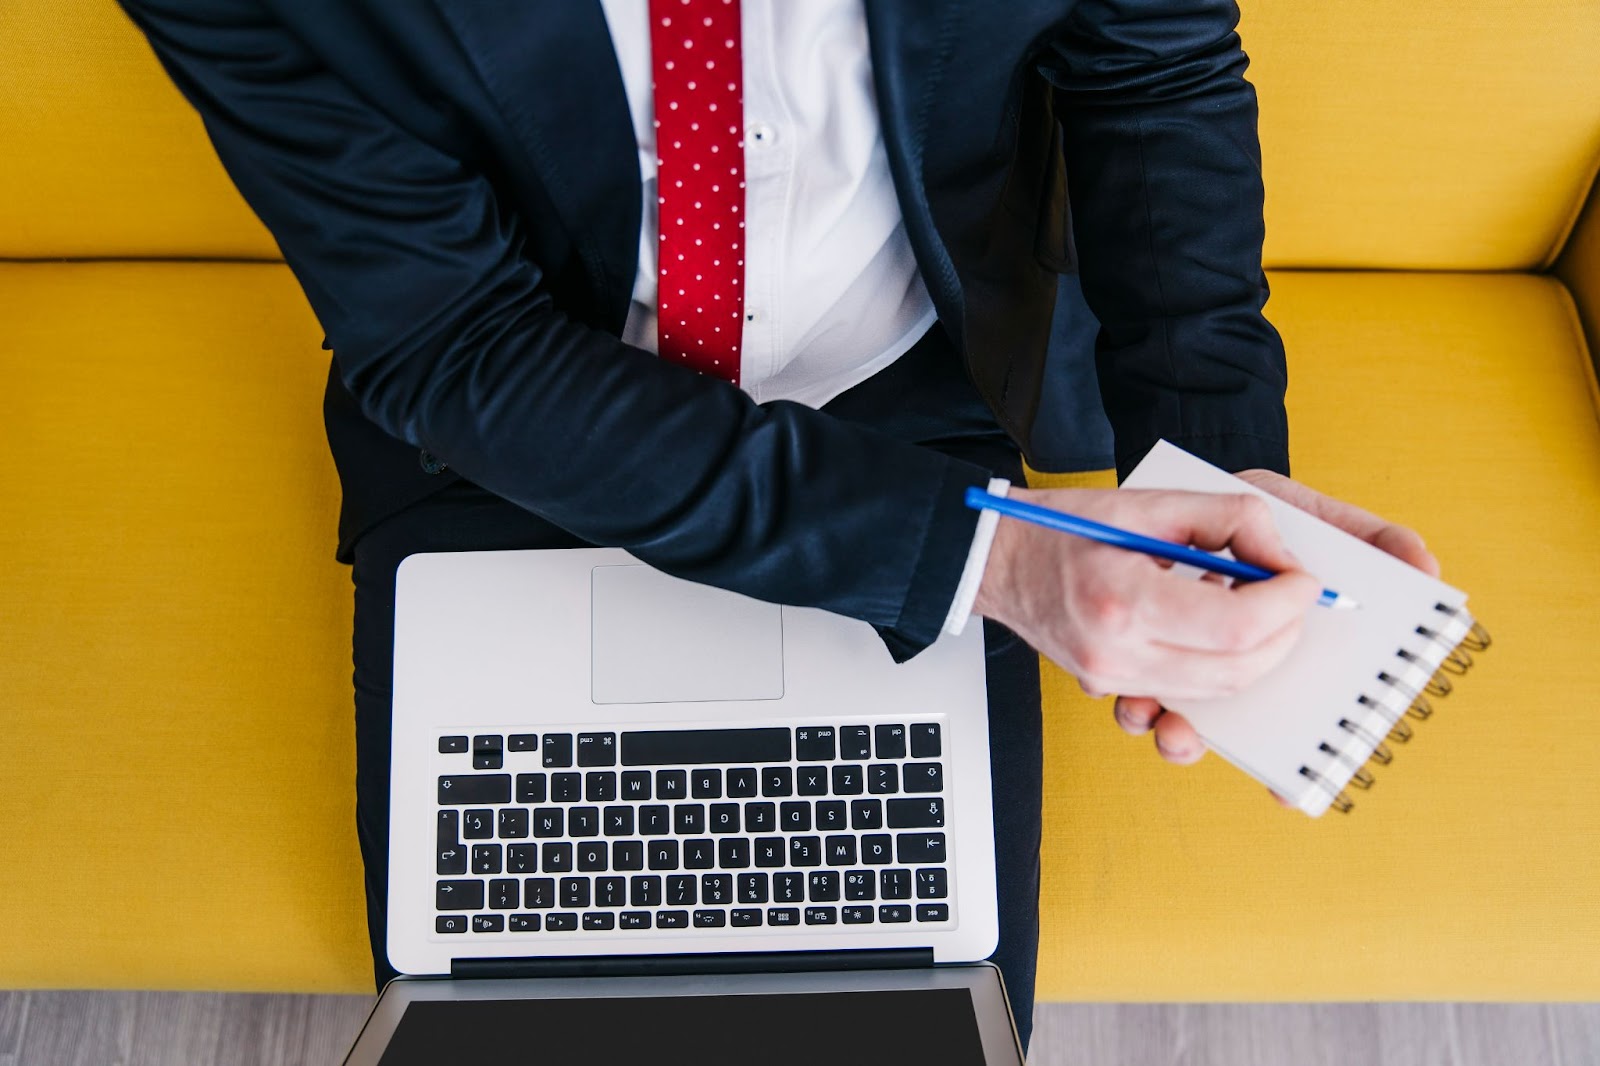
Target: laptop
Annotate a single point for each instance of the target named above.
(626, 807)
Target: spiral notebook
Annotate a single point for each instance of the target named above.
(1356, 681)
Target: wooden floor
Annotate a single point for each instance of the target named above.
(179, 1029)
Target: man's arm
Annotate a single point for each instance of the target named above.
(1164, 170)
(445, 332)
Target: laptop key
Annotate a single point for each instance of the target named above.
(560, 922)
(595, 921)
(690, 747)
(710, 919)
(925, 742)
(557, 750)
(611, 891)
(894, 913)
(848, 779)
(634, 920)
(486, 858)
(744, 917)
(877, 848)
(513, 823)
(706, 784)
(557, 858)
(830, 815)
(742, 783)
(522, 858)
(883, 778)
(823, 886)
(566, 788)
(575, 892)
(464, 895)
(488, 923)
(522, 742)
(600, 786)
(689, 818)
(592, 856)
(549, 822)
(654, 820)
(794, 816)
(451, 923)
(822, 916)
(839, 850)
(477, 824)
(452, 746)
(682, 890)
(855, 742)
(783, 916)
(699, 854)
(645, 890)
(733, 853)
(891, 741)
(770, 851)
(925, 777)
(856, 915)
(788, 888)
(860, 884)
(539, 893)
(777, 781)
(919, 847)
(627, 855)
(452, 860)
(458, 789)
(531, 788)
(504, 894)
(933, 912)
(916, 813)
(488, 752)
(524, 923)
(805, 851)
(618, 821)
(583, 822)
(752, 888)
(895, 884)
(662, 854)
(636, 785)
(866, 814)
(813, 742)
(597, 749)
(716, 889)
(672, 785)
(760, 817)
(724, 817)
(811, 781)
(933, 883)
(672, 919)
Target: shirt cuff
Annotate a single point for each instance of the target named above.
(977, 560)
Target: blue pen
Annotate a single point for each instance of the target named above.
(979, 500)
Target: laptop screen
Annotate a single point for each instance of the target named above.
(936, 1025)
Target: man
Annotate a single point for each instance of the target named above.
(756, 291)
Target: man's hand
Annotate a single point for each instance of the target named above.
(1122, 622)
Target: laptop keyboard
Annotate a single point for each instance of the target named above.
(616, 832)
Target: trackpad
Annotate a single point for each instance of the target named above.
(659, 639)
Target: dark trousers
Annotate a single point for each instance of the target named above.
(924, 398)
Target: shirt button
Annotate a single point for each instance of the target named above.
(750, 314)
(761, 135)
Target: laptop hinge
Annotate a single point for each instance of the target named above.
(664, 965)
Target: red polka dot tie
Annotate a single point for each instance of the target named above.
(699, 101)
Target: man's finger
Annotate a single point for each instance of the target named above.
(1209, 616)
(1136, 714)
(1177, 741)
(1237, 521)
(1402, 543)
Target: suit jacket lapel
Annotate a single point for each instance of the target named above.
(552, 71)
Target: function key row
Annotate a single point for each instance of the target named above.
(700, 746)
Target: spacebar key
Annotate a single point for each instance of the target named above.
(673, 747)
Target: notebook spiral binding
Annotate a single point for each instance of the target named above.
(1382, 721)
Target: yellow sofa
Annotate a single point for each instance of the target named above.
(175, 722)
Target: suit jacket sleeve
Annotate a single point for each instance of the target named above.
(445, 332)
(1164, 171)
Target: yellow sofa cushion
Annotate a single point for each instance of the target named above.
(174, 667)
(1445, 134)
(1460, 404)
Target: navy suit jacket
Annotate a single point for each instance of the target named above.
(455, 184)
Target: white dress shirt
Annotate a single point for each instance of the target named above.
(831, 288)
